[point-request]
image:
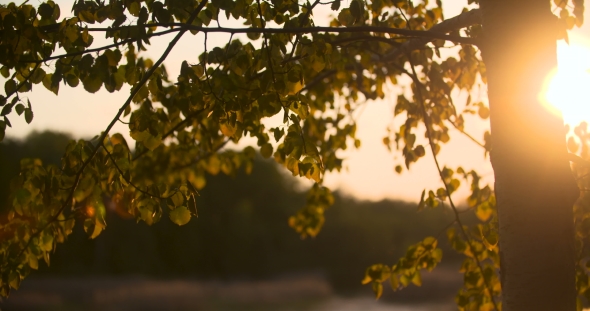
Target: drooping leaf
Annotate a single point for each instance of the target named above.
(180, 215)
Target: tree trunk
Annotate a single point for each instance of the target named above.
(535, 189)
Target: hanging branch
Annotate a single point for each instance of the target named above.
(427, 124)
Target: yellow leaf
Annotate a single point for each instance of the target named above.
(377, 289)
(180, 216)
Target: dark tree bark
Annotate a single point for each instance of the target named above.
(534, 185)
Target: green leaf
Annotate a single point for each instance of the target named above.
(419, 151)
(134, 8)
(180, 215)
(394, 281)
(19, 108)
(278, 133)
(484, 211)
(37, 76)
(152, 142)
(93, 227)
(5, 71)
(14, 280)
(335, 5)
(92, 83)
(45, 10)
(417, 279)
(10, 87)
(377, 289)
(28, 115)
(177, 199)
(318, 64)
(6, 110)
(266, 150)
(294, 74)
(356, 10)
(345, 18)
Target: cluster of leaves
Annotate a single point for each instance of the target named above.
(423, 255)
(315, 78)
(570, 15)
(478, 244)
(579, 144)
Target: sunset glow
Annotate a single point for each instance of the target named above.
(568, 88)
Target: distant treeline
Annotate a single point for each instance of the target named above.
(241, 231)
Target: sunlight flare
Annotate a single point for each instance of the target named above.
(568, 87)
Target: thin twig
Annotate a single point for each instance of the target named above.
(99, 48)
(127, 179)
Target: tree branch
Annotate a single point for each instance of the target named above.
(452, 24)
(377, 29)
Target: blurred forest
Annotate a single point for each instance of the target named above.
(241, 232)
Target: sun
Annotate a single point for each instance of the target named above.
(568, 88)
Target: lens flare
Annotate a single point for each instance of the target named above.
(568, 88)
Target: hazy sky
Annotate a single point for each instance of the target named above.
(370, 173)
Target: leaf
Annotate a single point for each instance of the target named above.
(266, 150)
(355, 10)
(45, 11)
(14, 280)
(483, 112)
(278, 133)
(490, 240)
(177, 199)
(6, 110)
(37, 76)
(377, 289)
(5, 71)
(180, 215)
(19, 108)
(10, 87)
(394, 281)
(92, 83)
(152, 142)
(335, 5)
(484, 211)
(134, 9)
(345, 18)
(28, 115)
(318, 64)
(93, 227)
(419, 151)
(417, 279)
(294, 74)
(422, 202)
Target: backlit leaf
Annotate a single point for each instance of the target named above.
(180, 215)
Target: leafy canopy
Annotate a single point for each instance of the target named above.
(313, 77)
